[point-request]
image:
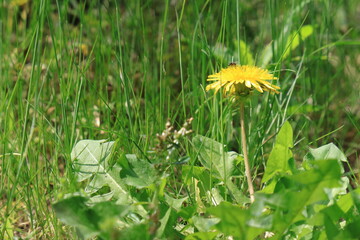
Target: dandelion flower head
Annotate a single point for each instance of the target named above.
(241, 80)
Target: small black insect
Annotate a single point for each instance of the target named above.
(232, 64)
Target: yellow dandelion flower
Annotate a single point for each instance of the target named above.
(241, 80)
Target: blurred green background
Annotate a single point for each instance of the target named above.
(100, 69)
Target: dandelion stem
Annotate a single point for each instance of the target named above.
(246, 158)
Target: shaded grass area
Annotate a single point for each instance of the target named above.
(74, 70)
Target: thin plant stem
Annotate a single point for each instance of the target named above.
(246, 158)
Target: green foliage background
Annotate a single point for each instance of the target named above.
(117, 70)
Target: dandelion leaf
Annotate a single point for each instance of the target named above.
(214, 158)
(91, 160)
(234, 221)
(281, 156)
(74, 212)
(328, 151)
(221, 164)
(139, 173)
(304, 190)
(204, 224)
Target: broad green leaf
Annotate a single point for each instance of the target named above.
(74, 212)
(350, 231)
(175, 203)
(332, 212)
(328, 151)
(234, 221)
(220, 163)
(281, 154)
(333, 193)
(139, 231)
(353, 228)
(140, 173)
(109, 209)
(100, 198)
(303, 231)
(91, 159)
(214, 158)
(187, 212)
(302, 109)
(293, 40)
(204, 224)
(109, 216)
(270, 186)
(324, 175)
(163, 222)
(246, 57)
(310, 188)
(166, 229)
(200, 173)
(110, 177)
(90, 221)
(91, 156)
(345, 203)
(236, 193)
(214, 196)
(297, 196)
(202, 236)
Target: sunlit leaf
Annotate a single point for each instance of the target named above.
(200, 173)
(202, 236)
(140, 173)
(166, 229)
(234, 221)
(308, 188)
(214, 157)
(91, 159)
(74, 212)
(188, 211)
(89, 221)
(302, 109)
(281, 154)
(138, 231)
(204, 224)
(294, 39)
(292, 42)
(219, 162)
(175, 203)
(328, 151)
(346, 202)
